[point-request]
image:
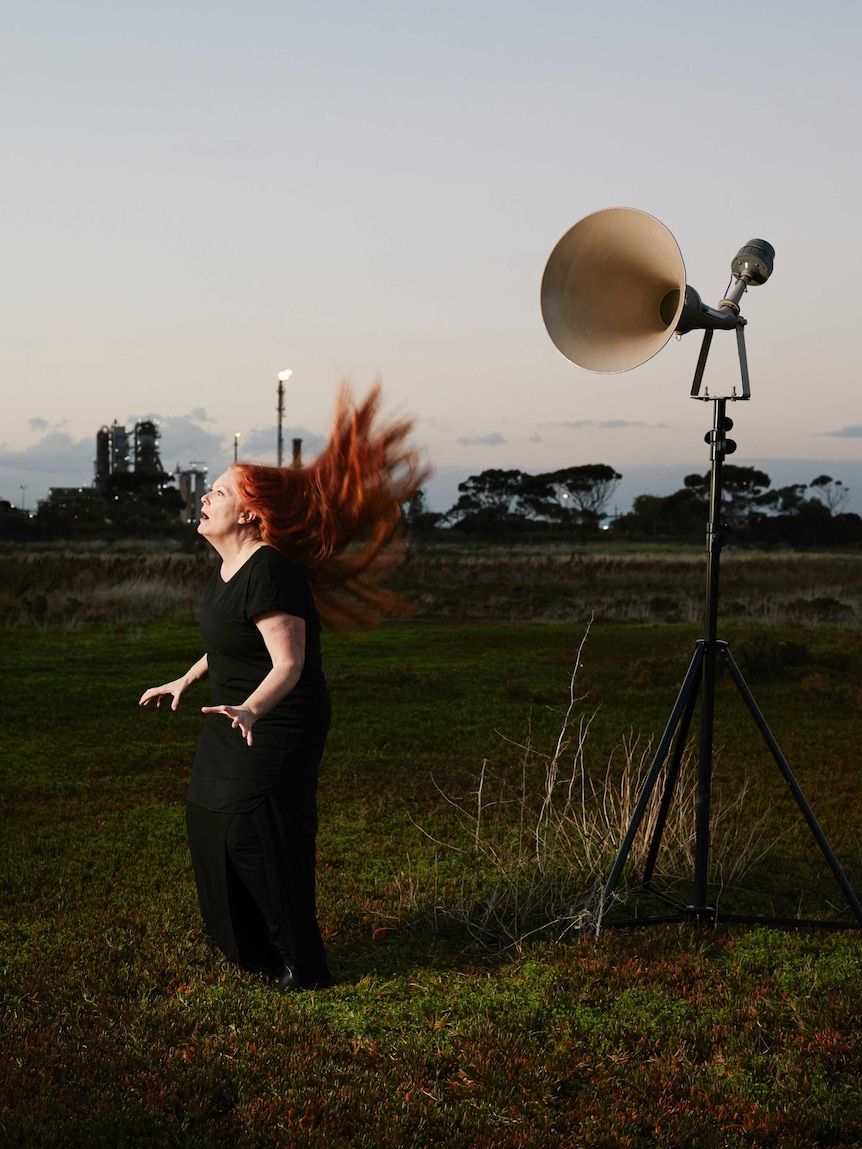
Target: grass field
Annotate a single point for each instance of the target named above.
(122, 1026)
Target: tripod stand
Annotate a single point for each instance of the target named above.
(700, 678)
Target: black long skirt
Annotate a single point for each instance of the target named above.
(255, 874)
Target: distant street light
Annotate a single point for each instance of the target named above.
(283, 377)
(235, 445)
(23, 496)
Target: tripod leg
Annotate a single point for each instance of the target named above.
(670, 785)
(689, 686)
(787, 774)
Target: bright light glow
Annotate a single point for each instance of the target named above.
(283, 376)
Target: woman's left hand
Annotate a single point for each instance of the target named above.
(241, 719)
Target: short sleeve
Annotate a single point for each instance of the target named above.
(276, 584)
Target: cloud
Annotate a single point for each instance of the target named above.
(846, 433)
(55, 453)
(199, 415)
(606, 424)
(434, 423)
(39, 424)
(56, 460)
(261, 444)
(492, 440)
(184, 441)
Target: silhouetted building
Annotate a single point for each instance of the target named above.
(147, 461)
(131, 491)
(192, 485)
(78, 504)
(112, 454)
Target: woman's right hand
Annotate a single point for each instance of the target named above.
(175, 689)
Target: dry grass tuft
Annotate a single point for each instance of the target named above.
(531, 854)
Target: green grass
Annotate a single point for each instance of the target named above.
(122, 1026)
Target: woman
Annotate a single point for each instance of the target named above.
(251, 812)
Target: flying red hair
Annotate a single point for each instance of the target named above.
(340, 517)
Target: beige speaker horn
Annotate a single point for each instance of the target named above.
(613, 290)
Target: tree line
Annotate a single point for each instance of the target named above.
(570, 502)
(574, 501)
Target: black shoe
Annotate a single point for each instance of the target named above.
(290, 983)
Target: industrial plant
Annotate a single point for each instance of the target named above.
(131, 494)
(130, 488)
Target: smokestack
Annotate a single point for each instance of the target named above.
(280, 409)
(297, 452)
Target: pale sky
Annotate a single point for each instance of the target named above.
(198, 195)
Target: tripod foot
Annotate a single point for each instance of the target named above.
(705, 915)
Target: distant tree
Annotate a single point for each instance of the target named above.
(571, 498)
(787, 500)
(15, 524)
(490, 501)
(589, 487)
(795, 515)
(572, 495)
(832, 492)
(497, 489)
(416, 516)
(847, 529)
(744, 490)
(680, 515)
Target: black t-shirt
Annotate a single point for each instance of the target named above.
(228, 774)
(237, 658)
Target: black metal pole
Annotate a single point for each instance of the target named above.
(714, 539)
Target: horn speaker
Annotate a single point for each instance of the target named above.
(614, 289)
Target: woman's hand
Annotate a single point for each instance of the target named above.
(175, 689)
(241, 719)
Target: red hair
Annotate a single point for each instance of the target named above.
(340, 517)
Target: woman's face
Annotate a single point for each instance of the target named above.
(222, 513)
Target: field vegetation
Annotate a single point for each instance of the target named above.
(460, 581)
(482, 767)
